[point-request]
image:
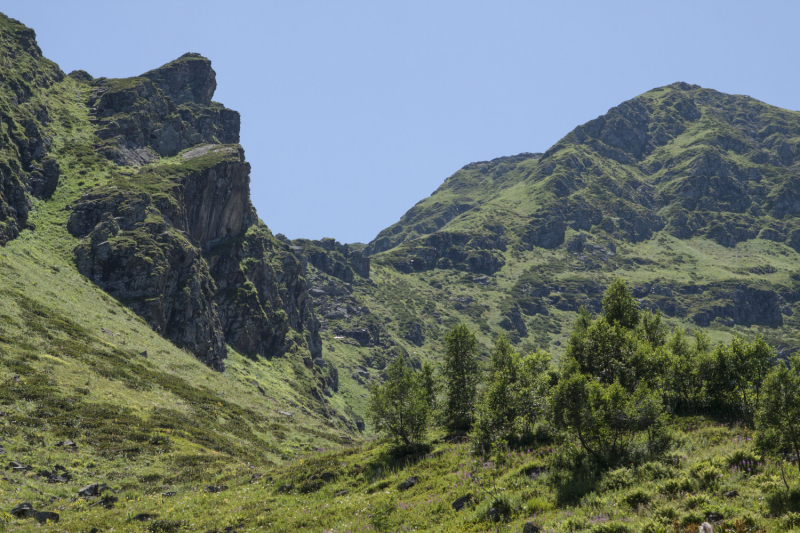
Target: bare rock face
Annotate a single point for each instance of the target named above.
(262, 294)
(194, 260)
(161, 112)
(189, 78)
(154, 270)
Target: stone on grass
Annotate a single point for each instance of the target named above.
(461, 502)
(23, 510)
(88, 491)
(45, 516)
(530, 527)
(407, 484)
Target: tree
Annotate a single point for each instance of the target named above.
(497, 410)
(399, 407)
(653, 329)
(733, 374)
(607, 420)
(534, 386)
(619, 307)
(683, 385)
(429, 386)
(778, 415)
(460, 378)
(514, 398)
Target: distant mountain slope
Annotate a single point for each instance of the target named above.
(470, 187)
(688, 193)
(689, 160)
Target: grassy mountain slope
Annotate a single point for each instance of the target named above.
(685, 192)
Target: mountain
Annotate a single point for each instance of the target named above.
(688, 193)
(151, 319)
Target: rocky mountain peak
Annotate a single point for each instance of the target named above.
(189, 78)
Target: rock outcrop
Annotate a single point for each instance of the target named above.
(161, 112)
(180, 243)
(23, 143)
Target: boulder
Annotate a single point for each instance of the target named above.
(91, 490)
(23, 510)
(407, 484)
(461, 502)
(46, 517)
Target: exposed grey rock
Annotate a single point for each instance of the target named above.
(407, 484)
(23, 510)
(93, 489)
(165, 110)
(44, 180)
(461, 502)
(46, 517)
(513, 321)
(531, 527)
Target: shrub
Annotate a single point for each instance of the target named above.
(638, 497)
(784, 501)
(606, 419)
(778, 416)
(621, 478)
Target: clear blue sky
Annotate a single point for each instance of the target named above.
(354, 111)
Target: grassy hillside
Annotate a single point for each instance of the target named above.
(132, 256)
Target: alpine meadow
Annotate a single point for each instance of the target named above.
(599, 338)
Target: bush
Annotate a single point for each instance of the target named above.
(638, 497)
(621, 478)
(784, 501)
(514, 398)
(778, 416)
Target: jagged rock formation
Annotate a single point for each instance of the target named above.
(161, 112)
(180, 243)
(24, 167)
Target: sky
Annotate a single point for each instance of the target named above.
(352, 112)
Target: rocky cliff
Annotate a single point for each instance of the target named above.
(178, 240)
(164, 223)
(25, 169)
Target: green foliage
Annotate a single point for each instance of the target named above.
(653, 329)
(514, 397)
(460, 378)
(619, 307)
(742, 364)
(778, 415)
(608, 421)
(400, 406)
